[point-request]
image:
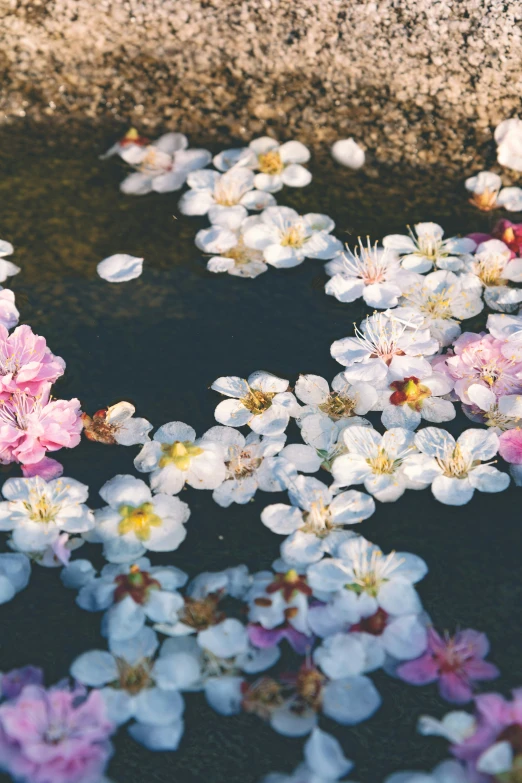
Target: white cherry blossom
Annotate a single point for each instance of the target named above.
(498, 413)
(129, 594)
(175, 457)
(315, 521)
(135, 520)
(384, 342)
(374, 273)
(455, 469)
(426, 248)
(406, 401)
(277, 164)
(249, 464)
(162, 166)
(484, 187)
(217, 194)
(439, 301)
(361, 579)
(348, 701)
(228, 252)
(370, 644)
(134, 686)
(494, 267)
(326, 436)
(287, 238)
(263, 401)
(37, 512)
(344, 401)
(379, 462)
(219, 676)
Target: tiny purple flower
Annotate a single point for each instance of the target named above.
(455, 662)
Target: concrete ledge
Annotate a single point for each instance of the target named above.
(419, 81)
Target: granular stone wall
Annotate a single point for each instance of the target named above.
(420, 81)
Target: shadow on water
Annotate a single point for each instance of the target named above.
(160, 341)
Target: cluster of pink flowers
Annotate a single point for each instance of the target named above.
(31, 423)
(59, 735)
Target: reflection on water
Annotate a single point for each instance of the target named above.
(159, 341)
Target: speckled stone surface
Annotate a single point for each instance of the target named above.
(421, 81)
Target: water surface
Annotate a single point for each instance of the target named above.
(159, 341)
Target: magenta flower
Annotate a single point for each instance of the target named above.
(12, 683)
(30, 426)
(510, 446)
(479, 359)
(455, 662)
(270, 637)
(26, 363)
(55, 736)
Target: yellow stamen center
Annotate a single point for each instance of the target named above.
(382, 463)
(270, 163)
(438, 305)
(131, 134)
(490, 271)
(41, 509)
(318, 520)
(456, 465)
(138, 520)
(257, 401)
(179, 454)
(294, 237)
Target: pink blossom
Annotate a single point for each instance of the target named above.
(26, 363)
(455, 662)
(496, 720)
(479, 359)
(510, 233)
(30, 426)
(55, 736)
(264, 637)
(510, 446)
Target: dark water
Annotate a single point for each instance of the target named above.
(159, 341)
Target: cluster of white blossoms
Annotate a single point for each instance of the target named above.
(332, 598)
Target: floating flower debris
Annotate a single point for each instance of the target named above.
(332, 598)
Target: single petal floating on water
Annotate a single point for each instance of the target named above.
(120, 268)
